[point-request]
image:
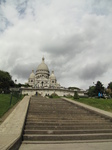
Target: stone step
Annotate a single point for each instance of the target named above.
(72, 109)
(43, 137)
(68, 127)
(57, 107)
(67, 131)
(68, 124)
(62, 115)
(46, 119)
(63, 118)
(57, 111)
(67, 141)
(55, 120)
(48, 103)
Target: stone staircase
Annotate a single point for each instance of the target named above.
(56, 121)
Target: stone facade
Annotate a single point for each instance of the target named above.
(42, 77)
(50, 91)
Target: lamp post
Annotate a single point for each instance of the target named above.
(13, 89)
(15, 81)
(11, 98)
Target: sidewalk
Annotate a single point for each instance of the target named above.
(96, 110)
(11, 128)
(72, 146)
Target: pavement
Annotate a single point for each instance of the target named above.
(68, 146)
(96, 110)
(11, 129)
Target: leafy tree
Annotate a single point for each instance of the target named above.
(91, 91)
(73, 88)
(99, 88)
(20, 85)
(5, 81)
(53, 95)
(109, 89)
(110, 86)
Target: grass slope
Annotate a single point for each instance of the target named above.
(5, 103)
(105, 104)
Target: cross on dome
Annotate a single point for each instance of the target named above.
(43, 59)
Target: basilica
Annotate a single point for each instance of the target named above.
(45, 83)
(42, 78)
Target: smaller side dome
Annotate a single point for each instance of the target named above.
(52, 76)
(32, 75)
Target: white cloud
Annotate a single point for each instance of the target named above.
(74, 36)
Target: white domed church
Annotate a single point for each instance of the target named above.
(42, 78)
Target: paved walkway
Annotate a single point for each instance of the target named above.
(72, 146)
(11, 128)
(99, 111)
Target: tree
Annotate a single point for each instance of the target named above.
(99, 88)
(110, 86)
(91, 91)
(73, 88)
(5, 81)
(109, 89)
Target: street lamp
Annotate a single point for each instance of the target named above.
(15, 81)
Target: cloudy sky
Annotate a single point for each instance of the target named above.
(74, 36)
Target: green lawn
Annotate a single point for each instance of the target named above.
(5, 103)
(105, 104)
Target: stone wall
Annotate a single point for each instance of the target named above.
(49, 91)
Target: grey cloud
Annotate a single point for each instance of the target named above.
(4, 22)
(69, 46)
(23, 70)
(73, 36)
(21, 7)
(102, 7)
(92, 71)
(2, 1)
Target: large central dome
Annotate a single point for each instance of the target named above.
(42, 70)
(42, 66)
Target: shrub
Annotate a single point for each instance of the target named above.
(76, 96)
(54, 95)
